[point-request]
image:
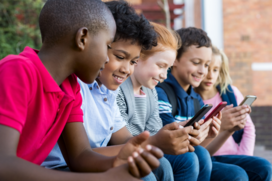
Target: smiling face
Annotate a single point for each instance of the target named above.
(209, 81)
(123, 55)
(153, 69)
(192, 66)
(93, 56)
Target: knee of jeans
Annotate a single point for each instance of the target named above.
(205, 162)
(266, 169)
(165, 165)
(191, 163)
(239, 175)
(149, 177)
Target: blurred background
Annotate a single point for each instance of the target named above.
(242, 28)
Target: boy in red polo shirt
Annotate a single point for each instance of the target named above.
(40, 99)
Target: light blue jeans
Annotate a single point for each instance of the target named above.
(163, 173)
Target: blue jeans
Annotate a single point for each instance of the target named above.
(191, 166)
(163, 173)
(241, 168)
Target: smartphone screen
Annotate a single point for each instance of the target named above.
(199, 115)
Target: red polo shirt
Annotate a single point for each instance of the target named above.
(33, 103)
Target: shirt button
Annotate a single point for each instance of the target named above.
(111, 128)
(58, 110)
(91, 88)
(105, 99)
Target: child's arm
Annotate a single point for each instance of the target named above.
(232, 120)
(81, 158)
(154, 122)
(15, 168)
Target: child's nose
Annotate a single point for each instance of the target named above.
(163, 76)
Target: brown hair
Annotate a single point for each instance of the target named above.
(166, 40)
(192, 36)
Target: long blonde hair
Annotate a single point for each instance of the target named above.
(224, 78)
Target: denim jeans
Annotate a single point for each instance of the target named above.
(163, 173)
(241, 168)
(191, 166)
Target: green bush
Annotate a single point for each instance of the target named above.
(19, 25)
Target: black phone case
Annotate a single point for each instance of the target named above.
(199, 115)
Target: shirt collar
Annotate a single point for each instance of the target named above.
(181, 93)
(49, 84)
(102, 89)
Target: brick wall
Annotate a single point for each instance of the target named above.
(247, 39)
(262, 119)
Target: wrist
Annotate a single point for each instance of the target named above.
(150, 141)
(115, 161)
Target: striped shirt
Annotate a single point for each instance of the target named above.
(139, 122)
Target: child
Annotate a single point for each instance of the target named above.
(40, 99)
(133, 34)
(227, 148)
(137, 101)
(189, 68)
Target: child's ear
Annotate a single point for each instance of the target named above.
(82, 38)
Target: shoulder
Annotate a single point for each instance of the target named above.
(18, 69)
(161, 94)
(154, 92)
(199, 98)
(239, 96)
(120, 96)
(17, 63)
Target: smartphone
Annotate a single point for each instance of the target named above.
(216, 110)
(248, 100)
(199, 115)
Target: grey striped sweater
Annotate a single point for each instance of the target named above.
(140, 113)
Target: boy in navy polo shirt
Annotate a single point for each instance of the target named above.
(189, 69)
(40, 99)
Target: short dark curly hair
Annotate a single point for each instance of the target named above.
(192, 36)
(131, 26)
(61, 17)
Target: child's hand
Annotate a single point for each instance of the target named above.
(194, 133)
(233, 118)
(215, 126)
(204, 130)
(174, 139)
(140, 161)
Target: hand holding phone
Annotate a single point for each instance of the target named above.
(248, 100)
(199, 115)
(216, 110)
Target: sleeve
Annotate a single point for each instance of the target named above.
(247, 144)
(154, 122)
(76, 114)
(121, 102)
(17, 80)
(164, 106)
(119, 121)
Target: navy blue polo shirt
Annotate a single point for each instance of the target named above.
(185, 102)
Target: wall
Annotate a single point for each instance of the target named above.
(247, 40)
